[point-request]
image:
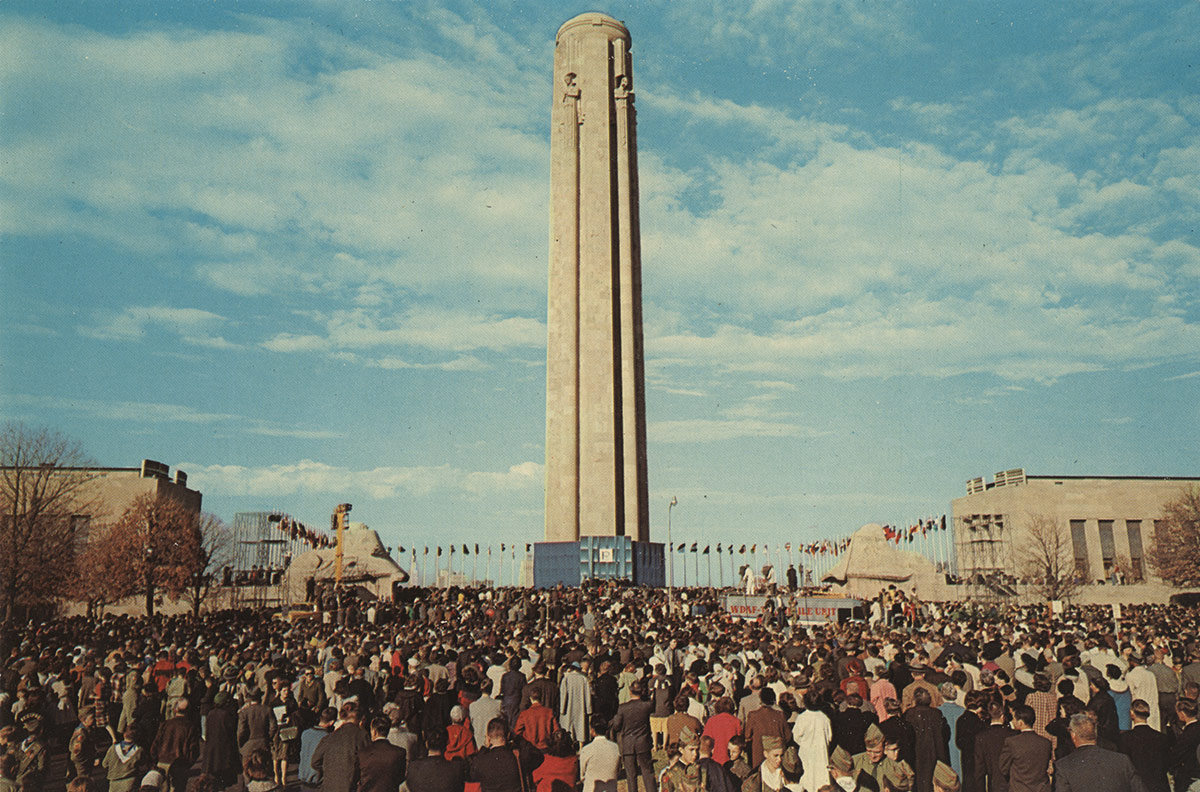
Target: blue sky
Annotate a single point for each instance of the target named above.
(299, 250)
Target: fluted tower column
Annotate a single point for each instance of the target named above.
(595, 381)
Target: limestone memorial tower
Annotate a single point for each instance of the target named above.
(595, 381)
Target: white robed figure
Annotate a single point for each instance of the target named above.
(748, 579)
(575, 703)
(812, 733)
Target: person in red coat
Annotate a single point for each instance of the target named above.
(537, 724)
(460, 738)
(721, 727)
(560, 767)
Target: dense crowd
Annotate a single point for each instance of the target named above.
(513, 690)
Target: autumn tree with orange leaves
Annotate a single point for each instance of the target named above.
(154, 546)
(44, 504)
(1177, 539)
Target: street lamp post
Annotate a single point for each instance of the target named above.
(670, 554)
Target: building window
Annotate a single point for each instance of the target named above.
(81, 526)
(1079, 544)
(1108, 547)
(1134, 529)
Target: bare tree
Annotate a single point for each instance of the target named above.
(1047, 558)
(216, 550)
(43, 504)
(1177, 540)
(155, 544)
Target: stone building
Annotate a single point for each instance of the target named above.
(108, 492)
(1106, 525)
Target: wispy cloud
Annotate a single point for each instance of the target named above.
(351, 333)
(704, 430)
(158, 413)
(192, 325)
(854, 260)
(332, 166)
(309, 476)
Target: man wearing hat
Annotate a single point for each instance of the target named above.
(770, 774)
(907, 697)
(944, 778)
(841, 769)
(686, 775)
(882, 762)
(219, 757)
(766, 721)
(82, 746)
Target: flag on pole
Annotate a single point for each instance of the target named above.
(694, 546)
(439, 550)
(705, 550)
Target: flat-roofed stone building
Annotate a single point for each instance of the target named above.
(1107, 524)
(108, 492)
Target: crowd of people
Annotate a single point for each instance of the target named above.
(607, 687)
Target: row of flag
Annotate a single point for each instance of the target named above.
(910, 532)
(466, 550)
(299, 532)
(831, 547)
(825, 547)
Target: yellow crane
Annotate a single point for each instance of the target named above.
(338, 521)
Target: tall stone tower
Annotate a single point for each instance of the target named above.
(595, 381)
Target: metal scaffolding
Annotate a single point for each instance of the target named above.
(986, 555)
(264, 544)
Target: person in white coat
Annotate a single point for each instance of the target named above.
(598, 760)
(575, 702)
(1143, 685)
(812, 733)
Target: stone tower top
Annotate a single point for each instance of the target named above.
(595, 19)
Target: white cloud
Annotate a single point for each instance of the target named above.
(309, 476)
(409, 169)
(854, 260)
(464, 363)
(371, 180)
(793, 33)
(440, 330)
(677, 391)
(193, 325)
(147, 412)
(703, 430)
(156, 413)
